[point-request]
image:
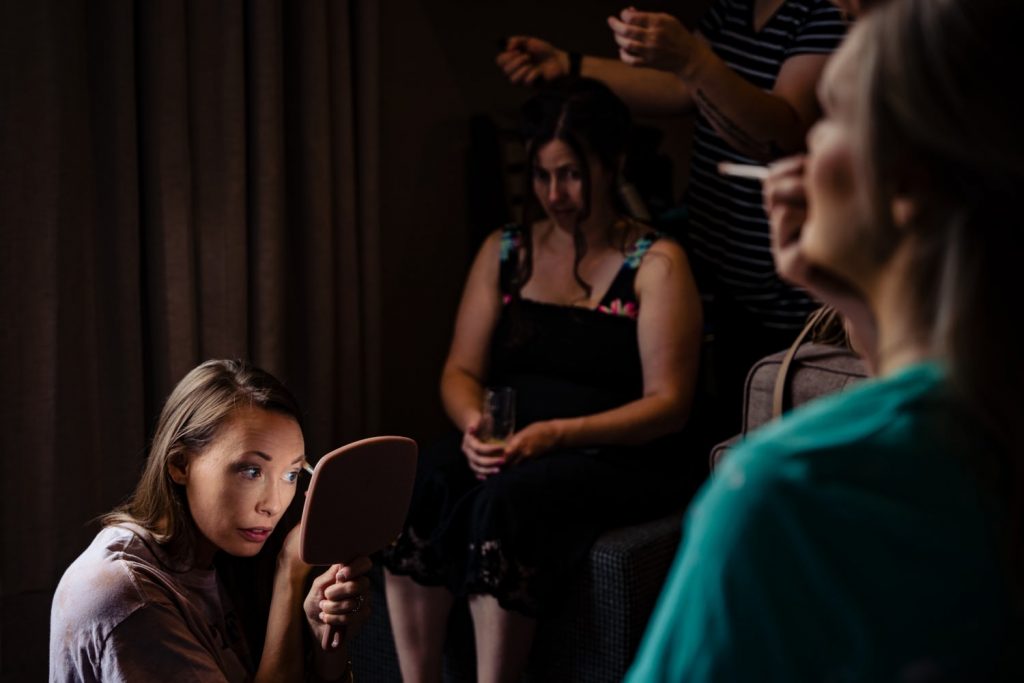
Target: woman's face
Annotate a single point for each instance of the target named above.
(835, 233)
(242, 482)
(558, 182)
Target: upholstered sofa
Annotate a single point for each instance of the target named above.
(595, 634)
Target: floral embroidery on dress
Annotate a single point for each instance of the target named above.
(510, 240)
(413, 555)
(624, 305)
(628, 309)
(640, 248)
(509, 581)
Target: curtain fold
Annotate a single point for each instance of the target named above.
(178, 181)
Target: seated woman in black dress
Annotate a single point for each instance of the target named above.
(595, 321)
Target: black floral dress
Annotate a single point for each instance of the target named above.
(519, 535)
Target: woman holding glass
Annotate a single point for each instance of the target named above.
(594, 321)
(875, 535)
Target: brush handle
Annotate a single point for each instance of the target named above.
(743, 170)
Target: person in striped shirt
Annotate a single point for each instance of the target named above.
(749, 73)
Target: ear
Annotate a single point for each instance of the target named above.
(177, 468)
(912, 180)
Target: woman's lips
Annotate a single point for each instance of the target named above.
(255, 534)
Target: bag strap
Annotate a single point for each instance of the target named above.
(785, 367)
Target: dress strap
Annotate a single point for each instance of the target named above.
(511, 243)
(620, 299)
(635, 254)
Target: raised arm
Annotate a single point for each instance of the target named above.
(330, 601)
(668, 331)
(647, 92)
(760, 124)
(785, 202)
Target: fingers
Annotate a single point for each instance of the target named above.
(348, 594)
(356, 568)
(624, 31)
(526, 59)
(788, 165)
(516, 449)
(512, 61)
(483, 466)
(345, 611)
(630, 41)
(785, 196)
(525, 75)
(518, 66)
(634, 17)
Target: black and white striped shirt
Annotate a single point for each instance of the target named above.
(728, 228)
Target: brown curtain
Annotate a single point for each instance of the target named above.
(180, 180)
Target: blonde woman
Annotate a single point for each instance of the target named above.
(875, 535)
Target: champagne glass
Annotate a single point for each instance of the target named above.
(499, 415)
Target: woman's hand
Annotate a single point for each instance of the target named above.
(785, 201)
(339, 597)
(526, 59)
(656, 40)
(533, 440)
(484, 459)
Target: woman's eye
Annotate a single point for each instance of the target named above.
(250, 471)
(291, 477)
(574, 174)
(540, 176)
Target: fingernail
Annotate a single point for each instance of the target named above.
(323, 616)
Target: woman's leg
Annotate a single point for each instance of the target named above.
(503, 640)
(419, 621)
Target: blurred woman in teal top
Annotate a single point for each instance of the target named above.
(875, 535)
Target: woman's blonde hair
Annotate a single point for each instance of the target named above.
(942, 127)
(198, 406)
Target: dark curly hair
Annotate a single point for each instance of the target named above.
(592, 121)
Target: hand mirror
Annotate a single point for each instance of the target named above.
(357, 501)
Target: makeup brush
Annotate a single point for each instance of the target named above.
(743, 170)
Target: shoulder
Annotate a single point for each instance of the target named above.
(500, 244)
(872, 413)
(827, 444)
(97, 593)
(105, 584)
(901, 438)
(657, 258)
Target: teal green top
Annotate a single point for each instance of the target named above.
(849, 541)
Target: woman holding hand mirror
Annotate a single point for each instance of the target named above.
(146, 601)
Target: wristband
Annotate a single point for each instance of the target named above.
(575, 63)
